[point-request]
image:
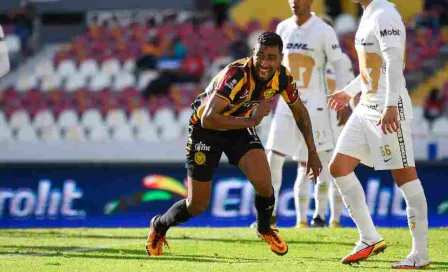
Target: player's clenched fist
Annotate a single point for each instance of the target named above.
(262, 110)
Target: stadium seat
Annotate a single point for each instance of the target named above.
(145, 78)
(19, 118)
(26, 133)
(129, 65)
(88, 68)
(164, 117)
(5, 133)
(74, 134)
(43, 119)
(3, 120)
(91, 118)
(420, 128)
(418, 112)
(123, 81)
(123, 133)
(13, 43)
(440, 127)
(99, 134)
(44, 69)
(26, 82)
(171, 132)
(99, 82)
(139, 117)
(50, 83)
(68, 118)
(50, 134)
(147, 132)
(66, 68)
(111, 67)
(75, 82)
(116, 118)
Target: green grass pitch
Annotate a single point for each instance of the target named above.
(201, 249)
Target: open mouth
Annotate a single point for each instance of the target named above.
(264, 72)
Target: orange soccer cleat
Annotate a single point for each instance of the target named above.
(155, 240)
(363, 251)
(275, 242)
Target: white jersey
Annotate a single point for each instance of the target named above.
(2, 34)
(381, 27)
(307, 49)
(348, 73)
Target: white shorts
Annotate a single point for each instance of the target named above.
(284, 137)
(362, 139)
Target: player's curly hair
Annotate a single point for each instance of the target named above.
(270, 38)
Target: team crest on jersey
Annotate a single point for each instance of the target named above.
(269, 93)
(199, 158)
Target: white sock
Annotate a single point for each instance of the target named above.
(335, 203)
(302, 195)
(321, 198)
(276, 165)
(417, 211)
(355, 202)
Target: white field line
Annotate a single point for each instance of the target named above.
(79, 249)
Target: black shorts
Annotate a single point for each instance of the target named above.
(205, 147)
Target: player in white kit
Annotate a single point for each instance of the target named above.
(378, 134)
(309, 44)
(4, 59)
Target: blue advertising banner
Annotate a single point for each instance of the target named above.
(128, 196)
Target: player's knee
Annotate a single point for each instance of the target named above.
(338, 170)
(263, 187)
(196, 207)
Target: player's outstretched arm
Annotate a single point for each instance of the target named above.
(303, 121)
(214, 119)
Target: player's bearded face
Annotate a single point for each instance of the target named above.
(267, 59)
(300, 7)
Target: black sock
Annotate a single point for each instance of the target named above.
(177, 214)
(265, 208)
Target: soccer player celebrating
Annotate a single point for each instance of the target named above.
(379, 132)
(4, 59)
(309, 45)
(223, 120)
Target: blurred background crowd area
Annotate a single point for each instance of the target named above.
(126, 71)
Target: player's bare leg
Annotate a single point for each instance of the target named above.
(196, 203)
(302, 195)
(370, 243)
(417, 212)
(255, 166)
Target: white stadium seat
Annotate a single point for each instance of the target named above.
(43, 118)
(99, 82)
(420, 128)
(19, 118)
(66, 68)
(74, 134)
(123, 133)
(26, 82)
(26, 133)
(171, 132)
(68, 118)
(5, 133)
(99, 134)
(440, 127)
(3, 120)
(418, 112)
(129, 65)
(50, 82)
(124, 80)
(164, 117)
(116, 118)
(51, 134)
(75, 82)
(145, 78)
(44, 69)
(147, 133)
(91, 118)
(88, 67)
(184, 116)
(111, 67)
(139, 117)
